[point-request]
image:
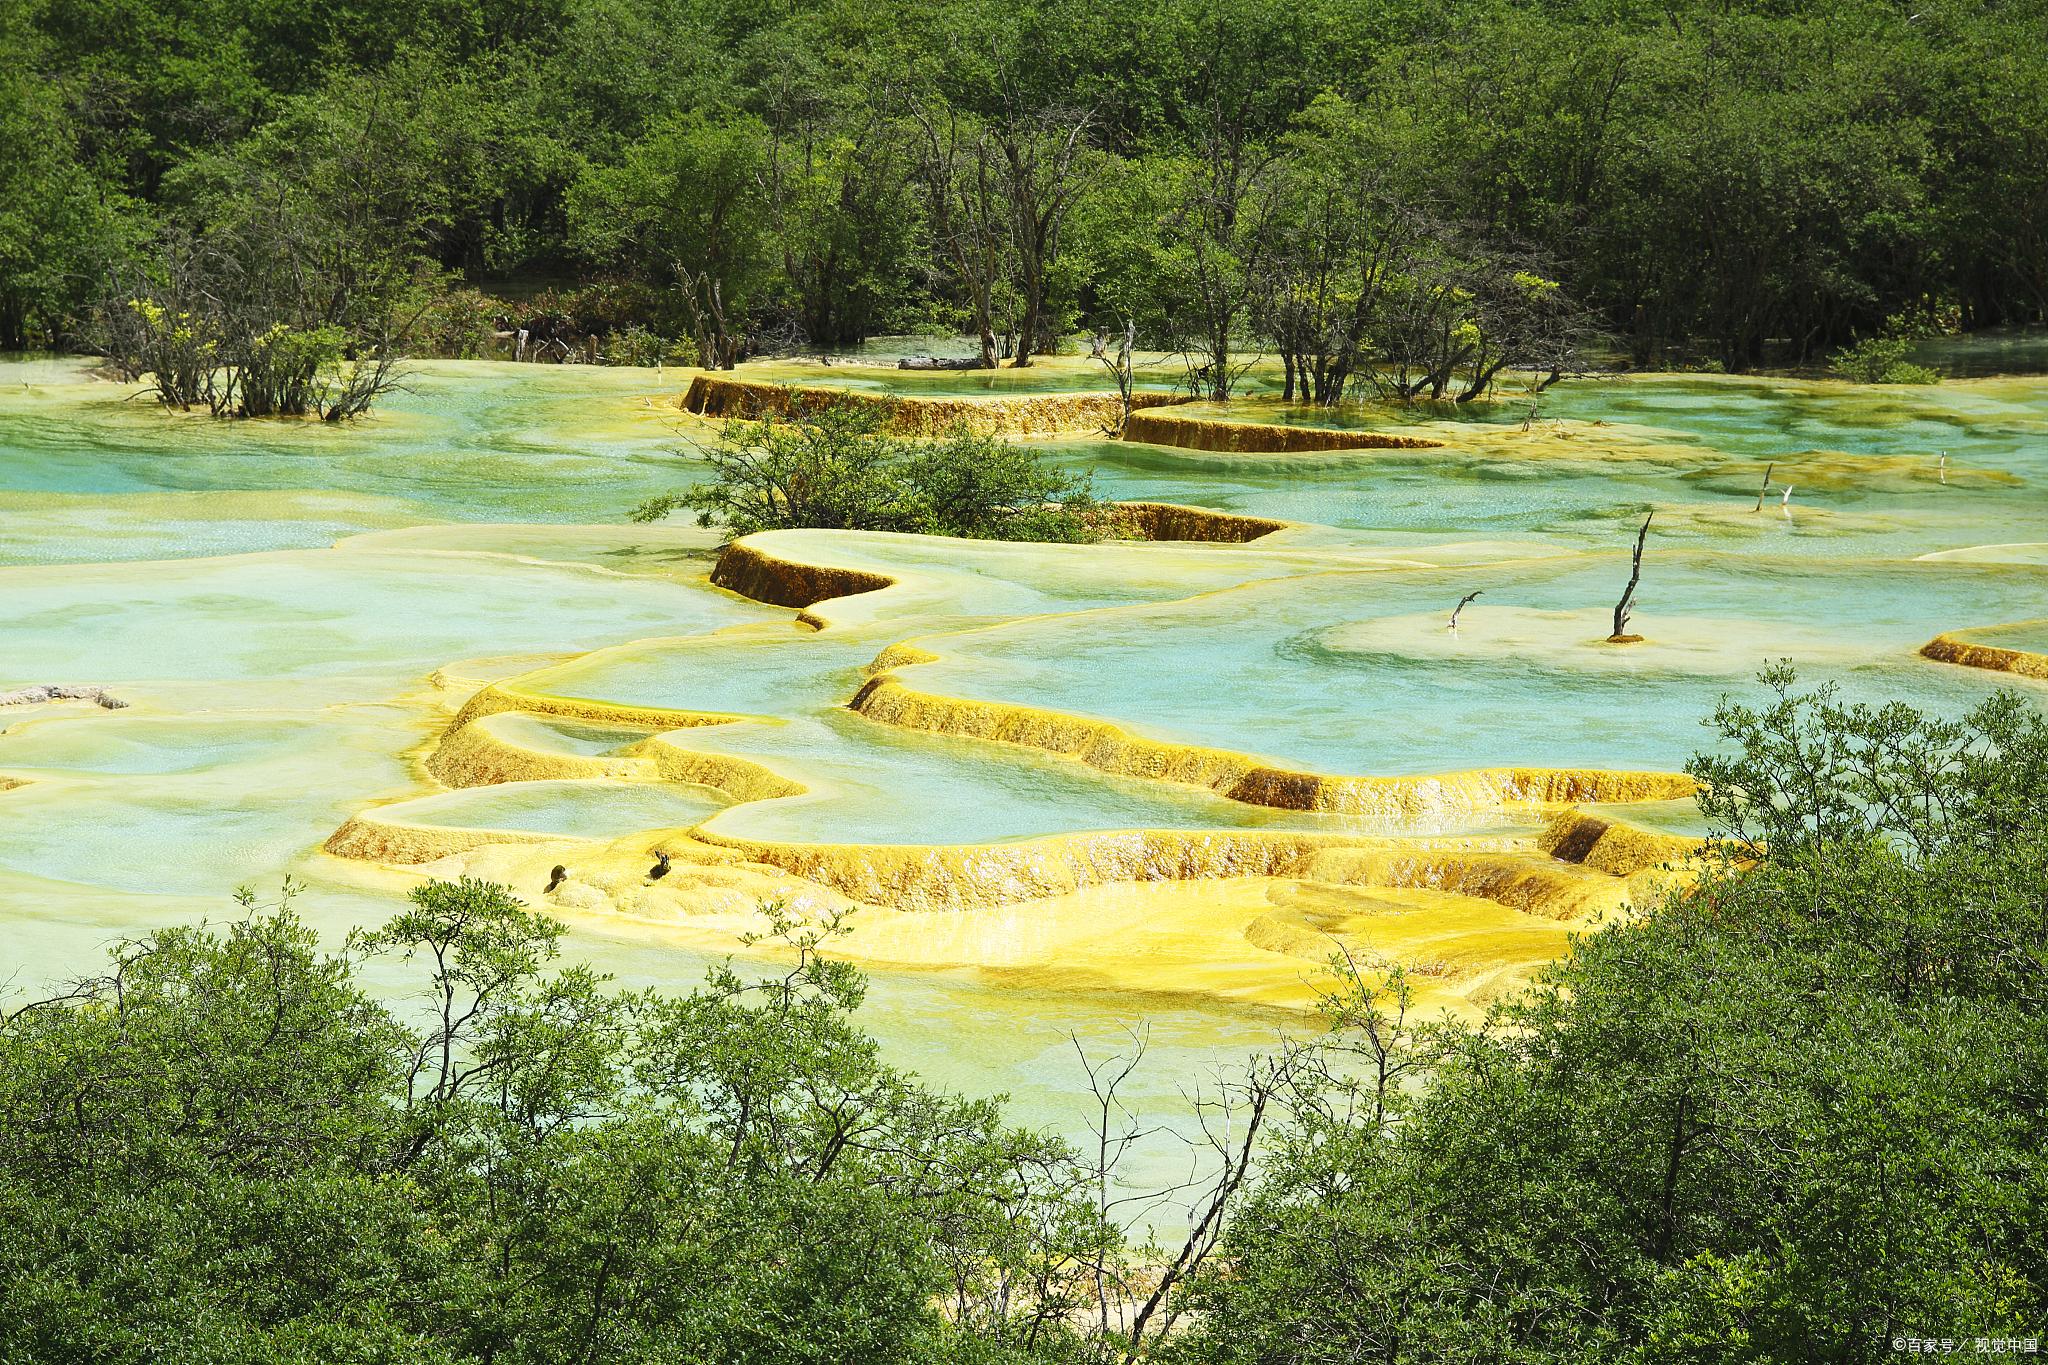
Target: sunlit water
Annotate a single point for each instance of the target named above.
(279, 684)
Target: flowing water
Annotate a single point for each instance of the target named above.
(292, 611)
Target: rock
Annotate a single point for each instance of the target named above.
(31, 696)
(926, 362)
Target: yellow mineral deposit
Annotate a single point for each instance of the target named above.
(1035, 415)
(1248, 917)
(1195, 433)
(1241, 777)
(1998, 648)
(1190, 766)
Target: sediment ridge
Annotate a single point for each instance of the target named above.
(1197, 433)
(1049, 414)
(496, 697)
(1615, 847)
(984, 876)
(471, 754)
(1170, 521)
(376, 837)
(1240, 777)
(754, 572)
(1948, 649)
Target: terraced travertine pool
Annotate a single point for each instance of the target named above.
(1057, 789)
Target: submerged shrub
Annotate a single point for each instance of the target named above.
(832, 468)
(1882, 360)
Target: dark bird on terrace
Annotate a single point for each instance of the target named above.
(660, 868)
(556, 878)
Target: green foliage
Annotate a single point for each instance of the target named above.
(635, 345)
(686, 201)
(458, 323)
(224, 1149)
(59, 230)
(1736, 186)
(986, 488)
(832, 467)
(1882, 360)
(1792, 1112)
(1730, 185)
(291, 371)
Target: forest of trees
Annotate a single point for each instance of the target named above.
(1393, 200)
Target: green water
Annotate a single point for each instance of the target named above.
(1352, 673)
(279, 684)
(88, 474)
(563, 737)
(597, 809)
(1865, 464)
(871, 783)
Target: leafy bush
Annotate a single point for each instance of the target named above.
(641, 324)
(458, 324)
(1793, 1113)
(635, 345)
(831, 467)
(226, 1150)
(603, 308)
(1882, 360)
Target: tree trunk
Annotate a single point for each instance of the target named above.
(1027, 333)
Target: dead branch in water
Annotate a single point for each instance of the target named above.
(1635, 576)
(1119, 368)
(1765, 488)
(1461, 606)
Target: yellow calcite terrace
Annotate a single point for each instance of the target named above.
(1193, 433)
(1042, 415)
(1241, 777)
(1250, 917)
(754, 570)
(1257, 905)
(1977, 648)
(1472, 915)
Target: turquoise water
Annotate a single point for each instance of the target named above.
(468, 441)
(1353, 673)
(563, 737)
(280, 686)
(1865, 464)
(312, 613)
(594, 809)
(871, 783)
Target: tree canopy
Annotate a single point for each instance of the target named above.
(1736, 186)
(1796, 1113)
(224, 1149)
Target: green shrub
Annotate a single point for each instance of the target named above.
(635, 345)
(226, 1150)
(459, 324)
(1794, 1112)
(1882, 360)
(832, 468)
